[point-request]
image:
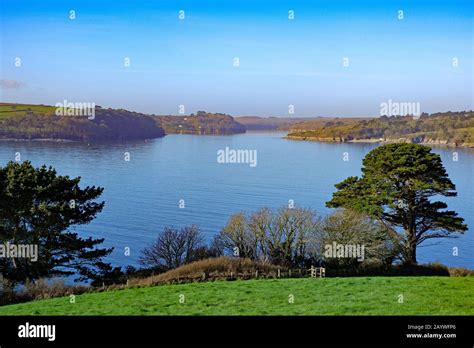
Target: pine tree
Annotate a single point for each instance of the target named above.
(38, 207)
(396, 185)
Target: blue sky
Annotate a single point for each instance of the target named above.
(190, 62)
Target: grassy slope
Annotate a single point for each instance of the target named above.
(329, 296)
(12, 110)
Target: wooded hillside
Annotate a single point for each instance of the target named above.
(36, 122)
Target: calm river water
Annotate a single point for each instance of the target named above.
(143, 195)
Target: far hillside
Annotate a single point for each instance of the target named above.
(203, 123)
(40, 122)
(272, 123)
(326, 122)
(445, 128)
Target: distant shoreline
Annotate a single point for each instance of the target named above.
(381, 141)
(42, 140)
(54, 140)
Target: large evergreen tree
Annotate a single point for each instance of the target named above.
(39, 207)
(396, 185)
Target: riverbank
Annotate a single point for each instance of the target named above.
(451, 129)
(41, 140)
(380, 141)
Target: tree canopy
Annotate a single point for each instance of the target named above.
(38, 207)
(396, 185)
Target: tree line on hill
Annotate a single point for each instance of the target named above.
(202, 123)
(106, 125)
(455, 128)
(36, 122)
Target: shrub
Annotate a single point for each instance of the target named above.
(45, 288)
(346, 227)
(42, 288)
(279, 237)
(8, 294)
(460, 272)
(433, 269)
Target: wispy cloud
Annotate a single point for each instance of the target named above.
(11, 84)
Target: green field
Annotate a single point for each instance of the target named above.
(12, 110)
(327, 296)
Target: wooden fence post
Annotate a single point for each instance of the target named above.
(278, 273)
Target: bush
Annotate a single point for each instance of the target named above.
(8, 294)
(346, 227)
(279, 237)
(40, 289)
(45, 288)
(460, 272)
(432, 269)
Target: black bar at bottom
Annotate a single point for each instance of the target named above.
(423, 330)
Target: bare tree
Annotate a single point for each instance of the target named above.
(173, 248)
(288, 235)
(279, 237)
(160, 253)
(347, 227)
(237, 239)
(193, 242)
(260, 223)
